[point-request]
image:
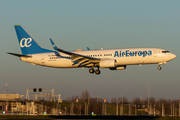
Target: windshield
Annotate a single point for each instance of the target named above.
(165, 52)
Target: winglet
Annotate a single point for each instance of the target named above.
(17, 25)
(54, 44)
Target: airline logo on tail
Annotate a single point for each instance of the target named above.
(25, 42)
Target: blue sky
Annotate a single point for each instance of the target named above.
(95, 24)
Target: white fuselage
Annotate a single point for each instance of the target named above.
(128, 56)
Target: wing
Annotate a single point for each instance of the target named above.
(83, 61)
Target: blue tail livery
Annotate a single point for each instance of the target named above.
(27, 43)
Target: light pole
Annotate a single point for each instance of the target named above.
(3, 100)
(148, 96)
(142, 102)
(15, 85)
(116, 100)
(122, 99)
(84, 96)
(6, 99)
(122, 106)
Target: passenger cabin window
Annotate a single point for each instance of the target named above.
(165, 51)
(107, 54)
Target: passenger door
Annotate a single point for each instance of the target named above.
(155, 53)
(42, 59)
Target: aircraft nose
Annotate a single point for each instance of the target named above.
(173, 56)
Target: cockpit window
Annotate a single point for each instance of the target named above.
(165, 51)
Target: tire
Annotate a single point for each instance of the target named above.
(159, 68)
(97, 72)
(91, 71)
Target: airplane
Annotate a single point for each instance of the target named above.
(114, 59)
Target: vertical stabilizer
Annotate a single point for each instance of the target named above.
(27, 43)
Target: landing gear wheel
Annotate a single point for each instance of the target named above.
(97, 72)
(91, 70)
(159, 68)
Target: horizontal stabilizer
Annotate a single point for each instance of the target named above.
(18, 55)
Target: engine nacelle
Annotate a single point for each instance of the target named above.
(107, 63)
(122, 67)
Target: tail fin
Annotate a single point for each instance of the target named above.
(27, 43)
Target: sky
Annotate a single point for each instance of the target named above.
(77, 24)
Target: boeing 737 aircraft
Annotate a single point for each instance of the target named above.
(114, 59)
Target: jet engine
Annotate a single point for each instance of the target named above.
(107, 63)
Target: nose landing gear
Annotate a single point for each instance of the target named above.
(159, 67)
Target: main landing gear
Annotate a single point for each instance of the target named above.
(97, 71)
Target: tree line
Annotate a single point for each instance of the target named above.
(168, 104)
